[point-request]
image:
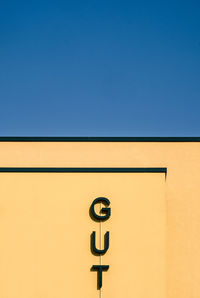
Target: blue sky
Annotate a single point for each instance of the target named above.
(100, 68)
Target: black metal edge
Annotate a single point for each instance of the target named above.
(81, 170)
(99, 139)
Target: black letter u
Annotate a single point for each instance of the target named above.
(93, 245)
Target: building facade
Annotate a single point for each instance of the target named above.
(100, 217)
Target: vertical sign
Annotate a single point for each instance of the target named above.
(99, 252)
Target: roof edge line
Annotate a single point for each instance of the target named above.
(83, 170)
(99, 139)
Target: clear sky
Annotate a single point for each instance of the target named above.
(100, 68)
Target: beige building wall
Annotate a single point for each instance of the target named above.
(163, 217)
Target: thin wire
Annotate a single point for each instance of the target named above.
(100, 291)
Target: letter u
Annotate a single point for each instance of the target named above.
(93, 245)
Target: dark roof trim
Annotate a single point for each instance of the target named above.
(99, 139)
(83, 170)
